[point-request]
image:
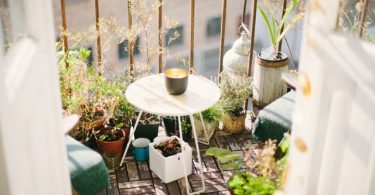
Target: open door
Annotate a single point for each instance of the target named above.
(32, 149)
(333, 133)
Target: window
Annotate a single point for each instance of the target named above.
(210, 66)
(213, 26)
(123, 49)
(174, 36)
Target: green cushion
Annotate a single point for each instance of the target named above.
(88, 172)
(275, 119)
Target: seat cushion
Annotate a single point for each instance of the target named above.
(88, 172)
(275, 119)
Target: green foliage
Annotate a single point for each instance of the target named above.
(73, 80)
(213, 114)
(284, 147)
(234, 92)
(277, 30)
(110, 135)
(91, 95)
(247, 184)
(230, 159)
(185, 124)
(266, 173)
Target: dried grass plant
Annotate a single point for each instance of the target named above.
(144, 26)
(350, 18)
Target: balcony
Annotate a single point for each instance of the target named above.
(279, 97)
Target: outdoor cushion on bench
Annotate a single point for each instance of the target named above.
(88, 172)
(275, 119)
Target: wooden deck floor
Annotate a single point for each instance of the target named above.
(136, 178)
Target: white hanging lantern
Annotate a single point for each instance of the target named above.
(236, 59)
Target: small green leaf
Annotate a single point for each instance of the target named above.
(265, 18)
(290, 25)
(217, 152)
(229, 157)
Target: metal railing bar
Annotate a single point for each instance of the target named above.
(160, 25)
(192, 31)
(282, 28)
(251, 52)
(244, 11)
(222, 34)
(99, 49)
(363, 19)
(65, 36)
(130, 42)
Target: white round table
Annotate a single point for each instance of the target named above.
(150, 95)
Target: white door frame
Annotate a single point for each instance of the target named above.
(33, 158)
(332, 150)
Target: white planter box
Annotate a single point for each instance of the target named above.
(170, 168)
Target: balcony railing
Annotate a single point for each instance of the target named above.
(252, 30)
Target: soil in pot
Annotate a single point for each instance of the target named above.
(110, 139)
(168, 147)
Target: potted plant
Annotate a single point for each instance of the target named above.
(271, 63)
(120, 111)
(211, 118)
(186, 128)
(170, 153)
(234, 92)
(75, 82)
(111, 139)
(170, 125)
(148, 127)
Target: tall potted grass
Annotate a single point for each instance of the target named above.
(271, 62)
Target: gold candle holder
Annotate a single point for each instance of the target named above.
(176, 80)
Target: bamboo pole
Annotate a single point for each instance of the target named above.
(363, 19)
(160, 25)
(98, 45)
(222, 34)
(251, 52)
(130, 42)
(244, 11)
(65, 36)
(192, 30)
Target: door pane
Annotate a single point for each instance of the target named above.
(358, 18)
(12, 24)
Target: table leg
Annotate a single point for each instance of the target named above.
(182, 156)
(198, 156)
(131, 137)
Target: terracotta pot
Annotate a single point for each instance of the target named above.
(111, 146)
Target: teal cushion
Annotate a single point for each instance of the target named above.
(88, 172)
(275, 119)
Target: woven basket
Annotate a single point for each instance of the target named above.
(233, 124)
